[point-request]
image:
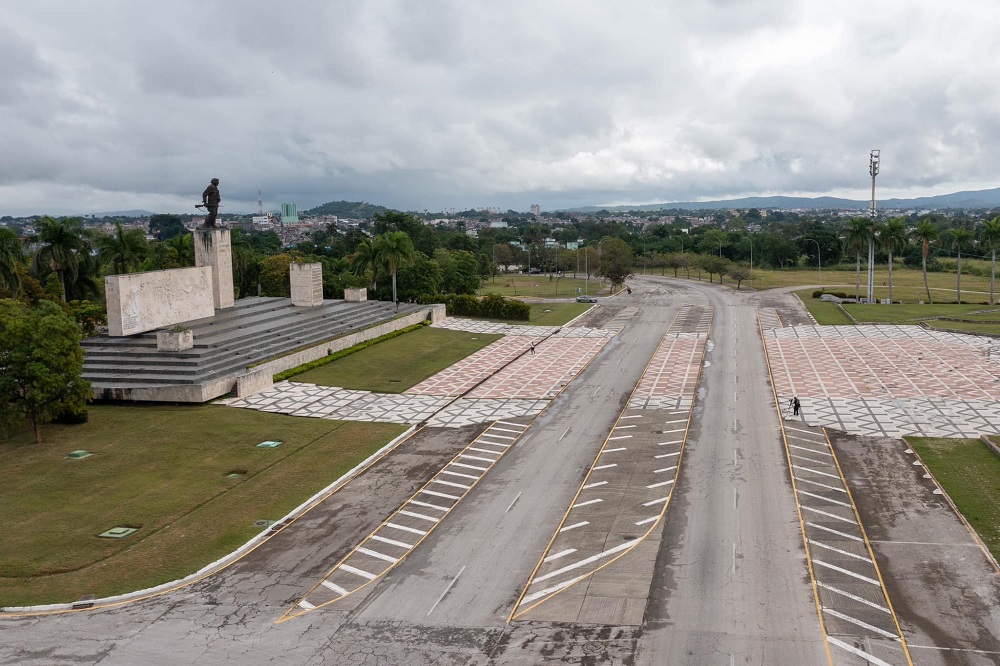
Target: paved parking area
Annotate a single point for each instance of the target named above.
(888, 380)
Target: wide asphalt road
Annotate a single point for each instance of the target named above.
(731, 582)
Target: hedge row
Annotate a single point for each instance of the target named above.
(332, 356)
(490, 306)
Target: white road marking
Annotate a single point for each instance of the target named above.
(401, 544)
(812, 460)
(620, 437)
(625, 426)
(606, 466)
(828, 514)
(305, 604)
(446, 590)
(633, 416)
(436, 494)
(667, 432)
(827, 529)
(574, 526)
(806, 448)
(672, 422)
(429, 506)
(579, 504)
(466, 466)
(377, 555)
(875, 661)
(807, 432)
(838, 550)
(817, 483)
(512, 503)
(815, 471)
(594, 485)
(550, 590)
(662, 483)
(563, 435)
(665, 469)
(647, 520)
(500, 444)
(679, 441)
(620, 448)
(865, 625)
(489, 434)
(412, 530)
(825, 499)
(926, 543)
(854, 597)
(656, 501)
(597, 391)
(450, 483)
(464, 476)
(668, 455)
(333, 586)
(421, 516)
(358, 572)
(846, 571)
(480, 458)
(505, 430)
(562, 553)
(584, 562)
(472, 448)
(516, 425)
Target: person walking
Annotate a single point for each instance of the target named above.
(795, 406)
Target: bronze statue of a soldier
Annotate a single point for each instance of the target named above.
(211, 199)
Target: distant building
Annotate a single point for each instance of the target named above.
(536, 209)
(289, 214)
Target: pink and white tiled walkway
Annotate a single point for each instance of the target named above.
(889, 380)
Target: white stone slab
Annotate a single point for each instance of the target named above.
(140, 302)
(307, 284)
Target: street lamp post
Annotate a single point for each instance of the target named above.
(819, 259)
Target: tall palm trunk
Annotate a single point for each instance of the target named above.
(890, 277)
(926, 286)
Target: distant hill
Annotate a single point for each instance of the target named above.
(120, 213)
(967, 200)
(348, 209)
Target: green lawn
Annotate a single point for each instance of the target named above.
(397, 364)
(163, 469)
(971, 327)
(970, 474)
(547, 314)
(540, 286)
(902, 313)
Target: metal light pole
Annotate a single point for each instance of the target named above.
(819, 257)
(751, 260)
(873, 165)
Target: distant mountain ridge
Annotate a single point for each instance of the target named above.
(348, 209)
(968, 200)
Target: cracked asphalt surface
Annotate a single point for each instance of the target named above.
(731, 583)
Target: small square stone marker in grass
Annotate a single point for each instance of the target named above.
(79, 454)
(117, 532)
(270, 444)
(264, 523)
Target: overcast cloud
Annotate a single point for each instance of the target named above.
(439, 104)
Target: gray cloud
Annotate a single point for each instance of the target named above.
(437, 104)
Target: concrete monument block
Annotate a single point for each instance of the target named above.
(307, 284)
(213, 248)
(140, 302)
(174, 340)
(356, 295)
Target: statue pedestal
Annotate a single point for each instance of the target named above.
(213, 248)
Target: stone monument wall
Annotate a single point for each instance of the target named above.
(307, 284)
(213, 248)
(140, 302)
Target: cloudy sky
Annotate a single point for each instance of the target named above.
(435, 104)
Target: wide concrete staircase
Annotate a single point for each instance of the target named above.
(252, 331)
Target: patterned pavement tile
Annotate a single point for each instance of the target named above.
(889, 380)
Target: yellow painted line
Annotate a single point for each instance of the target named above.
(871, 553)
(225, 566)
(514, 614)
(795, 491)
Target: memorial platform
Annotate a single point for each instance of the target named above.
(252, 331)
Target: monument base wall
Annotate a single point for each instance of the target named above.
(140, 302)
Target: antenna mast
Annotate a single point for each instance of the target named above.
(873, 164)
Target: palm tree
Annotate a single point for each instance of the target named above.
(183, 245)
(61, 242)
(394, 249)
(892, 238)
(856, 237)
(363, 259)
(960, 239)
(991, 238)
(925, 232)
(11, 255)
(124, 250)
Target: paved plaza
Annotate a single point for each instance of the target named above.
(503, 380)
(888, 380)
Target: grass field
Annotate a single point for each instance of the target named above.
(397, 364)
(970, 474)
(165, 470)
(540, 286)
(548, 314)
